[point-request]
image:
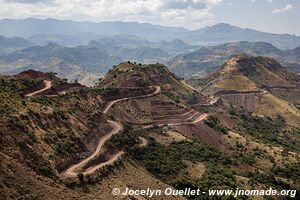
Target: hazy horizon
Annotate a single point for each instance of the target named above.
(272, 16)
(217, 23)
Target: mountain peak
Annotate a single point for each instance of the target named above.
(129, 74)
(252, 66)
(231, 65)
(249, 73)
(53, 44)
(221, 27)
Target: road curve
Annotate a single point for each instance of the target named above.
(144, 142)
(117, 127)
(157, 90)
(199, 119)
(75, 169)
(47, 86)
(114, 158)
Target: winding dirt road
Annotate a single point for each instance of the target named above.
(75, 169)
(144, 142)
(157, 90)
(47, 86)
(117, 127)
(199, 119)
(114, 158)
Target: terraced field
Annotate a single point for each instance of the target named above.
(170, 113)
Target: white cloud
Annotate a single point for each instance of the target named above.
(270, 1)
(187, 13)
(28, 1)
(284, 9)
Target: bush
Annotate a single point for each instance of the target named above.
(214, 123)
(64, 143)
(273, 131)
(37, 162)
(167, 162)
(290, 171)
(106, 91)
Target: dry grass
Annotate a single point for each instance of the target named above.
(169, 137)
(237, 83)
(269, 151)
(125, 67)
(195, 170)
(271, 79)
(269, 105)
(131, 176)
(244, 181)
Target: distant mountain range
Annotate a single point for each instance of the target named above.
(207, 59)
(76, 50)
(10, 44)
(72, 63)
(67, 32)
(223, 33)
(14, 42)
(30, 26)
(106, 43)
(141, 50)
(75, 63)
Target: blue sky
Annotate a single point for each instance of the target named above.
(278, 16)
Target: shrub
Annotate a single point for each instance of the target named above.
(166, 162)
(214, 122)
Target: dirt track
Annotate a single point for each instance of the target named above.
(117, 127)
(75, 169)
(144, 142)
(199, 119)
(47, 84)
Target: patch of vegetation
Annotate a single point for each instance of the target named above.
(64, 143)
(214, 123)
(232, 111)
(217, 176)
(106, 91)
(60, 115)
(10, 99)
(166, 162)
(43, 100)
(259, 126)
(273, 131)
(203, 109)
(290, 171)
(244, 158)
(31, 83)
(257, 177)
(125, 140)
(37, 162)
(55, 85)
(21, 130)
(159, 160)
(172, 96)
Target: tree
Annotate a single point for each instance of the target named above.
(80, 177)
